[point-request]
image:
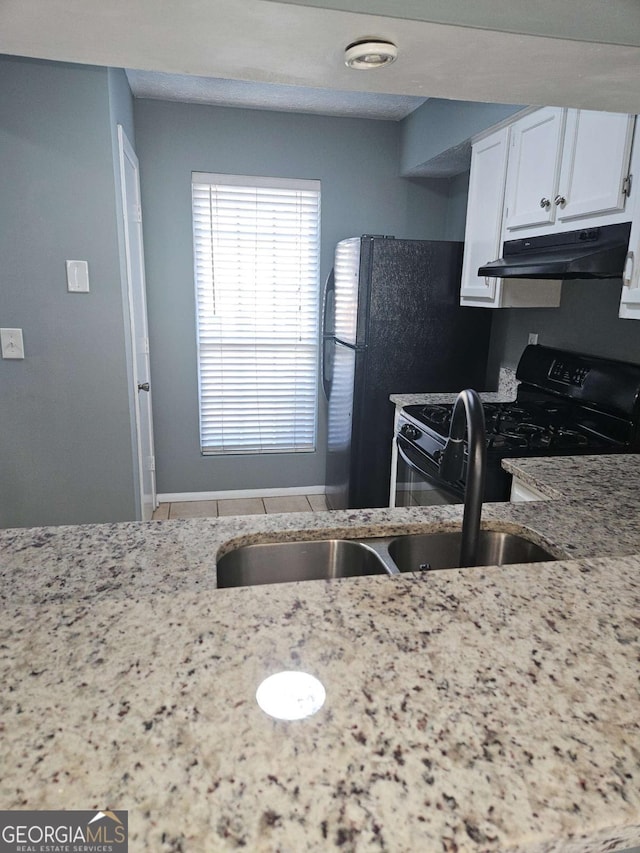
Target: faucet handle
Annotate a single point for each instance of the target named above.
(452, 460)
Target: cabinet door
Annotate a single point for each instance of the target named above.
(484, 215)
(597, 149)
(534, 169)
(630, 298)
(521, 492)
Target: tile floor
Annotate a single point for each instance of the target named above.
(240, 506)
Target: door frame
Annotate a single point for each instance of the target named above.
(144, 508)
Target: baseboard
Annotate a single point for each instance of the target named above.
(178, 497)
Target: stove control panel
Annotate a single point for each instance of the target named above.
(568, 373)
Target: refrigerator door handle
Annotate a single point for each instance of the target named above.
(329, 307)
(328, 356)
(355, 347)
(328, 343)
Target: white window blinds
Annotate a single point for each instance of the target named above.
(256, 249)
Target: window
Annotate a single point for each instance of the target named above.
(256, 250)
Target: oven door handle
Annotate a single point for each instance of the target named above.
(427, 469)
(417, 460)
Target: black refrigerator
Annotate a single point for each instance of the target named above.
(392, 323)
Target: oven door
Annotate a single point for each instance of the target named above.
(417, 480)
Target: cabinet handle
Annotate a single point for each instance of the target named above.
(627, 273)
(560, 200)
(544, 202)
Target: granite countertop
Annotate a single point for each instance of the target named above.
(606, 478)
(505, 393)
(485, 709)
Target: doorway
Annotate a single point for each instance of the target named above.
(134, 254)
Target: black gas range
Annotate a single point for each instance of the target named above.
(567, 404)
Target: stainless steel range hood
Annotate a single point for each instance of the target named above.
(589, 253)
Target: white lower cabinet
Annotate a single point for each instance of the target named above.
(521, 493)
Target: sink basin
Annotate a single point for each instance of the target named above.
(280, 562)
(420, 552)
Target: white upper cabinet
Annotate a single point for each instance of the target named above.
(552, 170)
(595, 164)
(630, 296)
(535, 157)
(483, 234)
(482, 240)
(567, 169)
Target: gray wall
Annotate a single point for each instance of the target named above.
(65, 436)
(586, 321)
(435, 137)
(357, 163)
(457, 194)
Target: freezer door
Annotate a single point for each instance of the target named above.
(347, 281)
(340, 426)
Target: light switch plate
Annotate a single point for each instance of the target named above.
(12, 343)
(77, 277)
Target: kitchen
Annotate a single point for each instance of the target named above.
(362, 193)
(607, 335)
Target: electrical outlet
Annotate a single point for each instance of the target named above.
(533, 338)
(11, 342)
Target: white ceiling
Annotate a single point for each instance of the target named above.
(605, 21)
(289, 44)
(270, 96)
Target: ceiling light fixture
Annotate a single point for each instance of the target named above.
(368, 53)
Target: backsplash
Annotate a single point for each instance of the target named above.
(586, 321)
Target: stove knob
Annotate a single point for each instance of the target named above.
(410, 432)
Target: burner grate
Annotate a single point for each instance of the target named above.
(528, 427)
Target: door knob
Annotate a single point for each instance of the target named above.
(143, 386)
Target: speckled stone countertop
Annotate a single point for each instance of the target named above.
(485, 709)
(506, 393)
(605, 477)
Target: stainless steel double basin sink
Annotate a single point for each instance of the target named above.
(322, 559)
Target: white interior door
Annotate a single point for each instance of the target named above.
(129, 176)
